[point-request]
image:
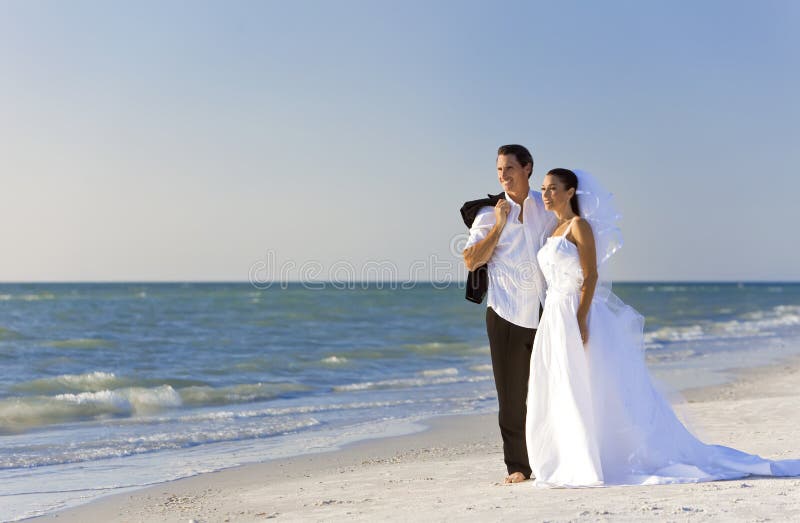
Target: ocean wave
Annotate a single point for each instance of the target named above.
(402, 351)
(96, 381)
(779, 315)
(283, 412)
(666, 288)
(135, 399)
(242, 393)
(22, 413)
(752, 324)
(88, 382)
(334, 360)
(288, 411)
(199, 428)
(252, 365)
(687, 333)
(449, 371)
(28, 297)
(438, 347)
(18, 414)
(80, 343)
(128, 446)
(486, 367)
(407, 383)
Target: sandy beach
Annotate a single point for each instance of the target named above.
(453, 470)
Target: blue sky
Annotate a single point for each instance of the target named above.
(195, 140)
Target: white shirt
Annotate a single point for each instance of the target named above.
(516, 283)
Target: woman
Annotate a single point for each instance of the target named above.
(594, 416)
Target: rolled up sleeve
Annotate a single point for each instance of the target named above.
(484, 221)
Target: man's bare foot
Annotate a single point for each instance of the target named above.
(516, 477)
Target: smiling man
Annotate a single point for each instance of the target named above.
(506, 238)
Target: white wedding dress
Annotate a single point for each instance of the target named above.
(594, 416)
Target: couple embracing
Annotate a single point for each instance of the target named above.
(577, 405)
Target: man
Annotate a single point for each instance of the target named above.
(506, 237)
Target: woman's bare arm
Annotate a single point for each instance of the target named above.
(584, 239)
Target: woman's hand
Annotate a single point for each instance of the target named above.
(584, 328)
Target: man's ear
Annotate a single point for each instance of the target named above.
(529, 167)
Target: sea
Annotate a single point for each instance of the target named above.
(107, 387)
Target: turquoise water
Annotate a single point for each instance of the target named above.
(101, 382)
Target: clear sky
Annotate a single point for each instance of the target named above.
(193, 140)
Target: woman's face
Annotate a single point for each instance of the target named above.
(555, 195)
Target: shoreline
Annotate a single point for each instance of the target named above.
(454, 468)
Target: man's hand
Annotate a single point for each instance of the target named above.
(479, 253)
(501, 211)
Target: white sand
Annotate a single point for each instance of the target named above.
(454, 470)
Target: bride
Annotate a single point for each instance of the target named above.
(594, 416)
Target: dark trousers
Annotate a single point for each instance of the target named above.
(511, 347)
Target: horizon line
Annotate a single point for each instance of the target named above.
(294, 282)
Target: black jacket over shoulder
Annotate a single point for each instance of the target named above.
(478, 280)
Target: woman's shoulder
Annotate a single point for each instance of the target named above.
(580, 226)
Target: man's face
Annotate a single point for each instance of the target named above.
(512, 176)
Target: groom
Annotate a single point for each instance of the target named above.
(506, 237)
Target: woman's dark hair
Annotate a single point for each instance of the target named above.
(570, 181)
(520, 152)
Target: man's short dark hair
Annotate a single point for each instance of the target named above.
(520, 152)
